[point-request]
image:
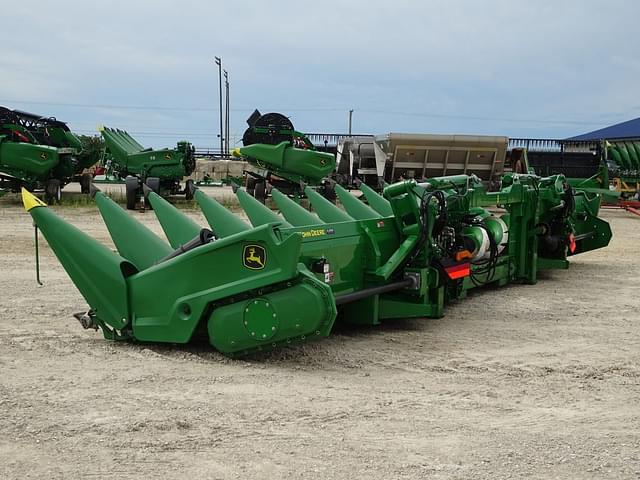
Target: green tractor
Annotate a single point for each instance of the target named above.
(39, 152)
(160, 170)
(283, 158)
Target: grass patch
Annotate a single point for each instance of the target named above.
(81, 200)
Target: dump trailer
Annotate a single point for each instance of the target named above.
(284, 279)
(267, 143)
(39, 152)
(161, 170)
(382, 159)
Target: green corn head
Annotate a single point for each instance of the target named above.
(282, 157)
(294, 164)
(161, 169)
(131, 158)
(284, 279)
(624, 160)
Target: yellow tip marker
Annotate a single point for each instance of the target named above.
(29, 200)
(100, 127)
(236, 152)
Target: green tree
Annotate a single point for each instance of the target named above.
(92, 148)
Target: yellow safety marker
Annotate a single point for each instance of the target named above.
(29, 200)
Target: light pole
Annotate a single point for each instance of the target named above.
(219, 63)
(350, 118)
(226, 112)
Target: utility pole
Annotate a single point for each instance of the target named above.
(226, 111)
(219, 63)
(350, 118)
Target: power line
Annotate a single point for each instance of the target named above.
(471, 117)
(153, 107)
(150, 134)
(317, 109)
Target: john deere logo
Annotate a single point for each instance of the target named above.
(254, 257)
(43, 156)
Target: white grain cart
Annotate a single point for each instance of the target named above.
(390, 157)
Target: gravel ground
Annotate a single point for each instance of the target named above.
(537, 381)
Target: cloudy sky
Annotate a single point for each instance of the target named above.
(512, 67)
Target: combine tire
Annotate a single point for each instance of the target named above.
(328, 191)
(189, 189)
(85, 183)
(250, 185)
(131, 185)
(260, 192)
(153, 183)
(53, 191)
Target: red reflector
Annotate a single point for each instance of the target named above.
(458, 271)
(21, 136)
(572, 243)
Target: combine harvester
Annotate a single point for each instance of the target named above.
(160, 170)
(284, 279)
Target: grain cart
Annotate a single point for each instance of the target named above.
(284, 279)
(382, 159)
(40, 153)
(267, 144)
(161, 170)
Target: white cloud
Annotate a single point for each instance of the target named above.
(544, 60)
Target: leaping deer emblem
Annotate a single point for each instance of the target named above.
(254, 257)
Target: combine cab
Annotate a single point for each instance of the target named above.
(160, 170)
(39, 153)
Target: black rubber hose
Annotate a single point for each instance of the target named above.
(205, 236)
(369, 292)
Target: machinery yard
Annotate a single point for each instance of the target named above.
(536, 381)
(238, 243)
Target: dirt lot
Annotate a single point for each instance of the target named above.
(527, 381)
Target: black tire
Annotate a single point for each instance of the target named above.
(328, 191)
(85, 183)
(153, 183)
(189, 189)
(132, 185)
(53, 191)
(250, 185)
(260, 192)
